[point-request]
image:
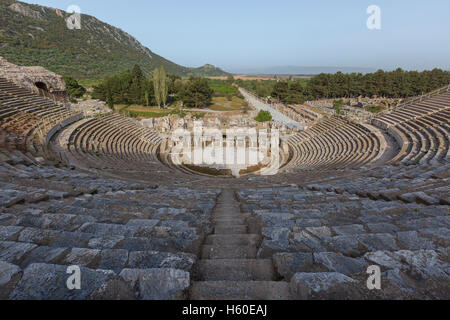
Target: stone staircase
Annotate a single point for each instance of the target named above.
(228, 268)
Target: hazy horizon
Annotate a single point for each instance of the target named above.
(263, 35)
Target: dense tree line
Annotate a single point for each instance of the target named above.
(132, 87)
(394, 84)
(291, 92)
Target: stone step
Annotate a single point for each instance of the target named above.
(230, 229)
(234, 270)
(233, 239)
(229, 214)
(226, 216)
(243, 290)
(228, 221)
(230, 207)
(228, 252)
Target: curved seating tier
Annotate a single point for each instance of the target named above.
(51, 218)
(113, 141)
(334, 143)
(26, 117)
(421, 130)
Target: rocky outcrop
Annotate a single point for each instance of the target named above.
(37, 79)
(26, 11)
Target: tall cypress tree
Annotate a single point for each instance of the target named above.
(164, 90)
(157, 86)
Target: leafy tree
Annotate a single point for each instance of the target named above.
(295, 93)
(109, 99)
(197, 93)
(280, 91)
(173, 84)
(338, 104)
(74, 89)
(160, 86)
(147, 98)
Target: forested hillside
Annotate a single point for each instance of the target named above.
(37, 35)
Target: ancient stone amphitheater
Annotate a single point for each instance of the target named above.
(101, 193)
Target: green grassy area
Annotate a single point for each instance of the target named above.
(223, 104)
(375, 108)
(223, 87)
(89, 83)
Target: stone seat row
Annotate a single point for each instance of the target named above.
(22, 114)
(116, 141)
(127, 232)
(427, 107)
(334, 143)
(424, 139)
(312, 231)
(426, 185)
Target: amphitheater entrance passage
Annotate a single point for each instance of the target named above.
(43, 89)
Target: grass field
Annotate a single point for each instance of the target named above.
(223, 88)
(222, 104)
(89, 83)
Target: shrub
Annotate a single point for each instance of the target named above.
(74, 89)
(264, 116)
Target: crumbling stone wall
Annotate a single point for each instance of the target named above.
(32, 78)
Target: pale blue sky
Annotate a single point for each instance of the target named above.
(264, 33)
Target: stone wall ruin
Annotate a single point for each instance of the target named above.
(36, 79)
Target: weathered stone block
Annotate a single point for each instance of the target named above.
(349, 229)
(155, 259)
(410, 240)
(9, 276)
(158, 284)
(288, 264)
(49, 282)
(338, 263)
(304, 285)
